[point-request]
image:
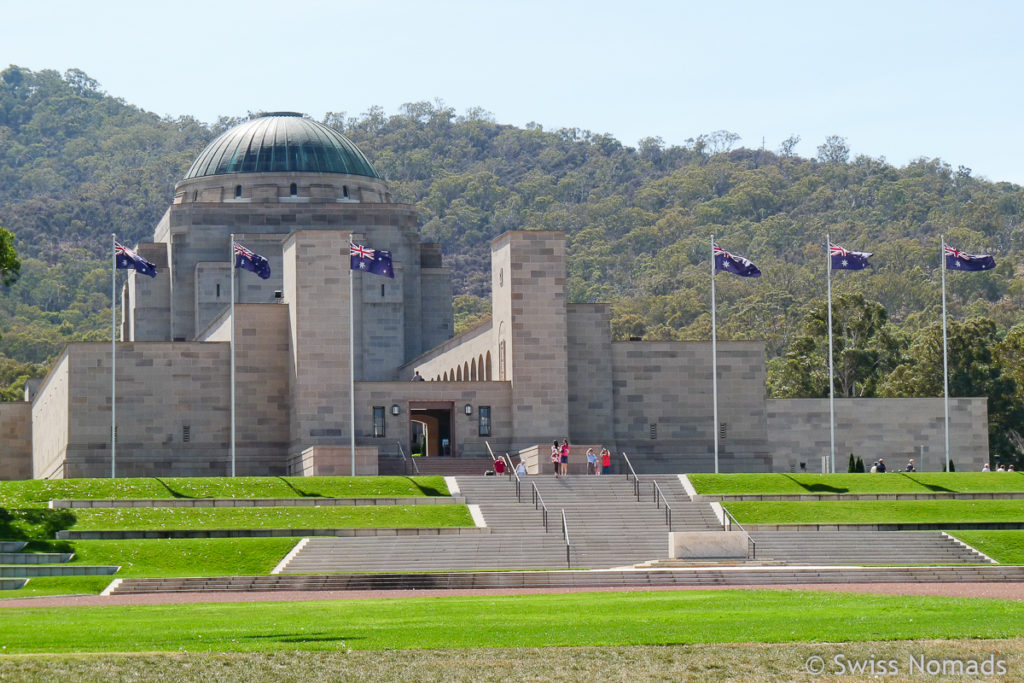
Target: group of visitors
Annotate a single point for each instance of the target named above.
(597, 463)
(1001, 468)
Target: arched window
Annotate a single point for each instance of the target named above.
(294, 190)
(465, 370)
(472, 370)
(445, 376)
(238, 191)
(480, 364)
(488, 373)
(458, 375)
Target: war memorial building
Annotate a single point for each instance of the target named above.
(541, 368)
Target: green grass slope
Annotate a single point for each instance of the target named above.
(877, 511)
(890, 482)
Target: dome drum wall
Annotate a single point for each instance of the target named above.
(277, 187)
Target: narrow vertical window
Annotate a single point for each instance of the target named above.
(344, 191)
(485, 420)
(382, 291)
(238, 191)
(378, 421)
(501, 360)
(186, 433)
(294, 189)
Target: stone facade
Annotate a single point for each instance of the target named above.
(540, 369)
(895, 429)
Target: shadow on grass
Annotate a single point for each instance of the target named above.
(930, 487)
(426, 490)
(817, 488)
(298, 491)
(34, 524)
(174, 494)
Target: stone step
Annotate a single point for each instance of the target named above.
(696, 576)
(70, 534)
(255, 502)
(12, 546)
(12, 584)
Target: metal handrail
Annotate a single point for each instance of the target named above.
(568, 546)
(636, 480)
(518, 480)
(405, 461)
(658, 498)
(544, 508)
(727, 526)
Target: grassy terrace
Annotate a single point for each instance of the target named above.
(877, 511)
(306, 517)
(37, 493)
(890, 482)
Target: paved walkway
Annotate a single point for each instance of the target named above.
(999, 591)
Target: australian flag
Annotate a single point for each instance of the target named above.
(250, 260)
(126, 258)
(737, 265)
(843, 259)
(958, 260)
(376, 261)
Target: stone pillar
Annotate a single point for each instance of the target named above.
(528, 291)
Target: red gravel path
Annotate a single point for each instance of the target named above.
(1002, 591)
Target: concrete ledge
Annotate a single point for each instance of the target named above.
(923, 526)
(833, 497)
(71, 535)
(254, 502)
(12, 546)
(703, 545)
(58, 570)
(12, 584)
(35, 558)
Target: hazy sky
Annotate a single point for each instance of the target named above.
(897, 79)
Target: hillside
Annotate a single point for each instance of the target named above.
(77, 164)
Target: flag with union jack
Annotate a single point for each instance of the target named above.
(958, 260)
(843, 259)
(376, 261)
(251, 261)
(126, 258)
(737, 265)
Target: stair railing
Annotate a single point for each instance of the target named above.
(518, 480)
(660, 498)
(405, 462)
(495, 458)
(538, 504)
(727, 525)
(636, 480)
(568, 546)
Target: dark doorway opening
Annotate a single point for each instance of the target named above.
(430, 426)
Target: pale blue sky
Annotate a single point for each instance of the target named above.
(897, 79)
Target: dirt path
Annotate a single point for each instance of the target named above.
(1001, 591)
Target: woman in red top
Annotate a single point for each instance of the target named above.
(565, 457)
(606, 461)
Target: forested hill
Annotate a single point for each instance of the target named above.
(77, 164)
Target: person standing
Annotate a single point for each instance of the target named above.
(606, 461)
(565, 457)
(591, 461)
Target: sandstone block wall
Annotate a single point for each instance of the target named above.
(15, 440)
(872, 428)
(591, 398)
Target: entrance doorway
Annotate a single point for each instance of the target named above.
(430, 427)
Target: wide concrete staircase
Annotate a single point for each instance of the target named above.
(863, 548)
(18, 567)
(607, 527)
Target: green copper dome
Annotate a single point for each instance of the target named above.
(281, 142)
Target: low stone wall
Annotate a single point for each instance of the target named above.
(706, 545)
(254, 502)
(336, 461)
(70, 535)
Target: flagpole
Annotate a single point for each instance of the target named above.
(945, 352)
(113, 357)
(231, 271)
(714, 355)
(352, 365)
(831, 380)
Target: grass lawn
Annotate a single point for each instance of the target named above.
(1005, 546)
(37, 493)
(877, 511)
(749, 662)
(579, 619)
(890, 482)
(306, 517)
